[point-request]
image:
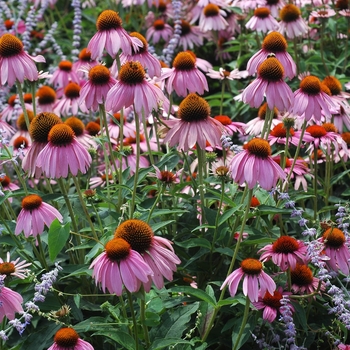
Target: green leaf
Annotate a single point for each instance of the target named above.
(165, 343)
(195, 242)
(58, 236)
(197, 293)
(122, 338)
(227, 214)
(266, 209)
(207, 310)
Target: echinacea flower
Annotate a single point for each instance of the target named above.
(262, 21)
(184, 77)
(337, 249)
(69, 102)
(84, 60)
(194, 126)
(35, 214)
(254, 277)
(133, 89)
(10, 301)
(6, 184)
(94, 92)
(230, 126)
(80, 133)
(111, 36)
(303, 280)
(157, 252)
(120, 265)
(190, 36)
(159, 30)
(15, 268)
(279, 135)
(291, 22)
(275, 43)
(15, 63)
(100, 181)
(63, 154)
(285, 252)
(166, 177)
(271, 84)
(223, 74)
(46, 98)
(255, 165)
(63, 75)
(212, 18)
(68, 338)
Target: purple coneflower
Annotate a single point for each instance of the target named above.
(68, 338)
(13, 267)
(35, 214)
(133, 89)
(190, 36)
(80, 133)
(212, 18)
(120, 265)
(100, 181)
(46, 98)
(255, 165)
(63, 75)
(6, 184)
(291, 22)
(254, 276)
(223, 74)
(230, 126)
(69, 102)
(11, 302)
(194, 126)
(15, 63)
(84, 60)
(111, 36)
(63, 154)
(285, 252)
(279, 135)
(184, 77)
(262, 21)
(159, 30)
(303, 280)
(274, 6)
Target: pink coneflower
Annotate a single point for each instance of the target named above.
(80, 133)
(275, 43)
(285, 252)
(39, 131)
(6, 184)
(12, 109)
(15, 63)
(310, 101)
(201, 64)
(94, 92)
(14, 267)
(184, 77)
(6, 130)
(46, 98)
(63, 75)
(22, 129)
(291, 22)
(132, 89)
(223, 74)
(279, 135)
(11, 302)
(63, 154)
(274, 6)
(254, 276)
(157, 252)
(68, 339)
(262, 21)
(101, 181)
(120, 265)
(230, 126)
(303, 280)
(84, 60)
(270, 303)
(323, 13)
(212, 18)
(337, 249)
(271, 84)
(254, 165)
(190, 36)
(111, 36)
(35, 214)
(194, 126)
(69, 102)
(247, 5)
(166, 177)
(148, 61)
(343, 347)
(159, 30)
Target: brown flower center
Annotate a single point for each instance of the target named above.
(142, 39)
(326, 89)
(280, 131)
(342, 5)
(158, 24)
(117, 249)
(11, 100)
(66, 338)
(310, 85)
(211, 10)
(330, 127)
(72, 90)
(272, 2)
(285, 244)
(76, 124)
(301, 275)
(222, 171)
(61, 135)
(251, 266)
(6, 268)
(254, 202)
(10, 45)
(99, 75)
(259, 147)
(167, 176)
(334, 238)
(262, 12)
(274, 42)
(19, 141)
(316, 131)
(273, 300)
(46, 95)
(290, 13)
(92, 128)
(271, 69)
(8, 24)
(5, 180)
(223, 119)
(28, 98)
(85, 55)
(107, 20)
(346, 137)
(184, 61)
(132, 73)
(65, 66)
(31, 202)
(42, 124)
(333, 84)
(137, 233)
(193, 108)
(185, 28)
(263, 109)
(21, 122)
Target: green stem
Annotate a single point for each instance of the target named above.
(315, 182)
(131, 306)
(32, 87)
(150, 154)
(154, 204)
(201, 166)
(267, 123)
(321, 46)
(143, 319)
(222, 95)
(296, 55)
(21, 99)
(244, 322)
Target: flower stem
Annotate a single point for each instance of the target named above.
(131, 306)
(21, 99)
(143, 319)
(244, 322)
(154, 204)
(201, 166)
(267, 123)
(315, 183)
